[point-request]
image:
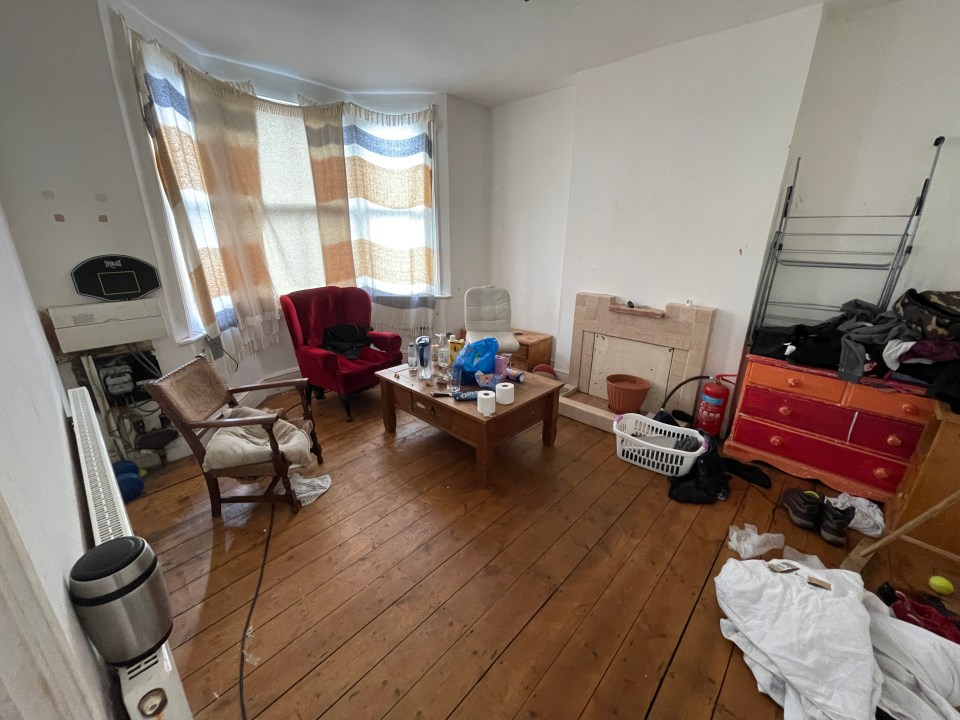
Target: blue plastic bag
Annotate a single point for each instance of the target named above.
(477, 357)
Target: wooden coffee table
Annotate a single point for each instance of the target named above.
(537, 399)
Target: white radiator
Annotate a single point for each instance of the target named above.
(156, 677)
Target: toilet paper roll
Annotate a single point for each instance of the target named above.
(486, 402)
(505, 393)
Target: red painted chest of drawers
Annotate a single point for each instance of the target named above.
(807, 422)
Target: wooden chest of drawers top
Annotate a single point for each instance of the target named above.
(826, 386)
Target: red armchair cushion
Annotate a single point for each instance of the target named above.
(309, 312)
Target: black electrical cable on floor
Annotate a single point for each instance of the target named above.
(253, 604)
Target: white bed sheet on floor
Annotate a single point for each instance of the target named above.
(835, 653)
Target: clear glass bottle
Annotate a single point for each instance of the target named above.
(412, 357)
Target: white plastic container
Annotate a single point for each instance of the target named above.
(651, 449)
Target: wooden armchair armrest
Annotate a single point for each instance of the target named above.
(299, 382)
(267, 420)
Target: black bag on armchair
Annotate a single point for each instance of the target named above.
(346, 339)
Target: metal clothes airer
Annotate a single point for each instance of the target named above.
(885, 251)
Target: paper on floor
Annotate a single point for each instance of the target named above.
(748, 543)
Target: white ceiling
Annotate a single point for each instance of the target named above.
(487, 51)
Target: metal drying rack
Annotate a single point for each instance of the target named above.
(887, 251)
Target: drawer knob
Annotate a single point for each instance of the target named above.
(785, 410)
(776, 441)
(881, 473)
(910, 409)
(894, 441)
(793, 382)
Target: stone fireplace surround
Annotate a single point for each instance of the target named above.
(682, 329)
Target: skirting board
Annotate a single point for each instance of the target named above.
(583, 412)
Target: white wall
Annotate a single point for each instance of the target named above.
(677, 158)
(38, 480)
(882, 85)
(468, 155)
(532, 153)
(60, 130)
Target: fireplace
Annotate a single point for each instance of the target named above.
(662, 346)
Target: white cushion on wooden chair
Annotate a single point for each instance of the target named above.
(250, 444)
(487, 313)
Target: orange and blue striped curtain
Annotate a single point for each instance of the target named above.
(389, 171)
(205, 138)
(243, 182)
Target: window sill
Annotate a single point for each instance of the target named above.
(190, 340)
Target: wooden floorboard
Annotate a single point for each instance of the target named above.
(568, 586)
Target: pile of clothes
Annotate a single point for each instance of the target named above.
(822, 646)
(916, 343)
(709, 479)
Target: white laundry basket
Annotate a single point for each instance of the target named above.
(647, 453)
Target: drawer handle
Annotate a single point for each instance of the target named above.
(894, 441)
(776, 441)
(785, 410)
(881, 473)
(793, 382)
(910, 409)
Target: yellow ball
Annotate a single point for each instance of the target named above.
(941, 585)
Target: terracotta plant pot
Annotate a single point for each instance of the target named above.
(626, 393)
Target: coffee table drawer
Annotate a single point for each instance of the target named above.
(517, 420)
(435, 413)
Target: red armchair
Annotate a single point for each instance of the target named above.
(309, 313)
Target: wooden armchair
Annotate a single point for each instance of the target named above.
(247, 442)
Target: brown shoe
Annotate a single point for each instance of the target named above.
(834, 522)
(803, 506)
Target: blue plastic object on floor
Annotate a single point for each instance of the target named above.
(131, 485)
(122, 467)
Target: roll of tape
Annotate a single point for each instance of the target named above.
(505, 393)
(486, 402)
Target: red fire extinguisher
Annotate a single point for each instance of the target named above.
(713, 405)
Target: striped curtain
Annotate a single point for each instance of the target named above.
(268, 198)
(389, 169)
(324, 129)
(205, 135)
